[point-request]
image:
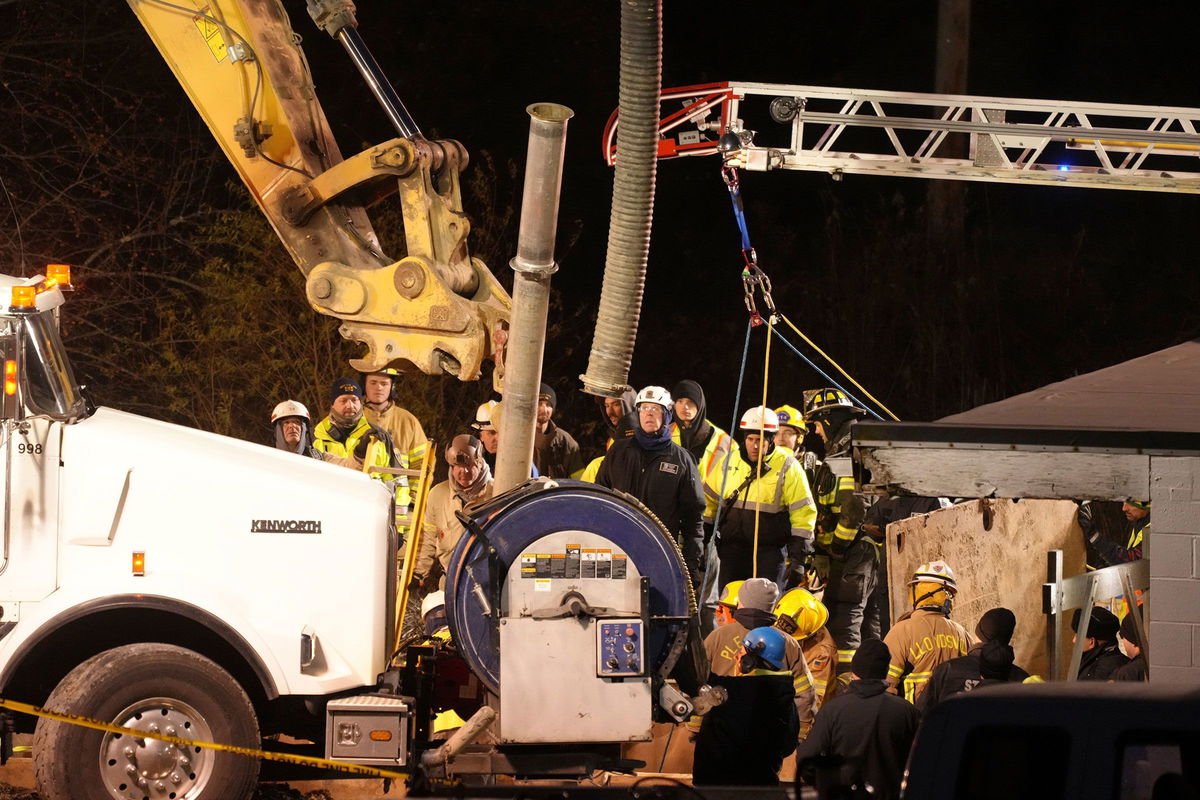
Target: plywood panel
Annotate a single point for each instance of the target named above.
(997, 549)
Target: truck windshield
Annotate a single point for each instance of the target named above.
(49, 383)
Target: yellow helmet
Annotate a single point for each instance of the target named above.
(791, 416)
(800, 614)
(729, 595)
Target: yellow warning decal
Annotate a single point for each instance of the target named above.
(212, 34)
(286, 758)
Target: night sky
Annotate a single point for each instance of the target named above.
(1054, 281)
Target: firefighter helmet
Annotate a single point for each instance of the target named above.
(654, 394)
(768, 644)
(825, 399)
(290, 408)
(933, 584)
(790, 416)
(387, 372)
(759, 418)
(729, 595)
(800, 614)
(935, 572)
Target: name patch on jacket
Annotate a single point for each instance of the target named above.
(285, 526)
(666, 466)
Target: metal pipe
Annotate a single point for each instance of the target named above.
(479, 722)
(533, 266)
(380, 86)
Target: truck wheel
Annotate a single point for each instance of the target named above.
(157, 688)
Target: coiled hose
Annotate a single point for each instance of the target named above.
(633, 200)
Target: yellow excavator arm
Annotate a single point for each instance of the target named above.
(243, 68)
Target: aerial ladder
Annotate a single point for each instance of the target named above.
(910, 134)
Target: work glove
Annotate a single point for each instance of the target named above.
(360, 449)
(1087, 522)
(799, 549)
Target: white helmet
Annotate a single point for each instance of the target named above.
(432, 600)
(483, 417)
(935, 572)
(654, 394)
(759, 418)
(290, 408)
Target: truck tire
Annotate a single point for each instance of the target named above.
(147, 686)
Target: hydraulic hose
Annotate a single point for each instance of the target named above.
(633, 199)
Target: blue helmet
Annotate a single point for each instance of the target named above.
(769, 644)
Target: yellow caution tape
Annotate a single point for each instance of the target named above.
(286, 758)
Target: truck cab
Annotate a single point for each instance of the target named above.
(152, 571)
(1103, 741)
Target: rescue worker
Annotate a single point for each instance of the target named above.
(1130, 645)
(963, 674)
(743, 741)
(407, 435)
(927, 637)
(709, 445)
(293, 427)
(1137, 512)
(802, 616)
(1101, 655)
(488, 435)
(767, 505)
(854, 571)
(870, 728)
(755, 598)
(791, 430)
(661, 474)
(555, 452)
(727, 604)
(469, 482)
(349, 439)
(618, 415)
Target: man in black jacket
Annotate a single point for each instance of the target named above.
(1101, 656)
(963, 674)
(743, 741)
(870, 728)
(661, 474)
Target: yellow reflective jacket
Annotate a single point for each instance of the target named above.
(719, 443)
(780, 496)
(380, 454)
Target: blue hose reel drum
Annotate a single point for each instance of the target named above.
(517, 519)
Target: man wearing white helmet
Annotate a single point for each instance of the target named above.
(293, 427)
(661, 474)
(293, 433)
(927, 637)
(488, 435)
(765, 527)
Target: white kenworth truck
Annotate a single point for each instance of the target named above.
(171, 580)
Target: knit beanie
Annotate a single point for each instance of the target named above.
(997, 625)
(1103, 624)
(871, 661)
(758, 593)
(995, 661)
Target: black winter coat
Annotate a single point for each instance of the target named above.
(869, 727)
(743, 741)
(668, 483)
(1099, 663)
(958, 675)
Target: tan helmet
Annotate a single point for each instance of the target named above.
(464, 450)
(290, 408)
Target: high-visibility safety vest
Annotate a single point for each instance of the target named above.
(782, 487)
(378, 454)
(719, 443)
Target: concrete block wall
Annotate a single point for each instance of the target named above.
(1173, 548)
